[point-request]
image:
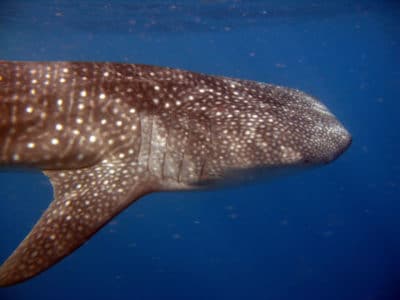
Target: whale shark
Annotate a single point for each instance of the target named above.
(105, 134)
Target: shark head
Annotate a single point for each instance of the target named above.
(300, 129)
(249, 126)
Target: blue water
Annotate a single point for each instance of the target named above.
(328, 233)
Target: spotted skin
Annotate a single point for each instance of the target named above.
(105, 134)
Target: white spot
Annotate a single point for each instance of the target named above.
(54, 141)
(156, 101)
(33, 91)
(118, 123)
(67, 203)
(65, 70)
(31, 145)
(62, 80)
(156, 87)
(102, 96)
(59, 127)
(81, 106)
(105, 74)
(132, 110)
(83, 93)
(191, 97)
(29, 109)
(103, 121)
(79, 120)
(92, 139)
(59, 102)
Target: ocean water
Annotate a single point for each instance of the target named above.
(328, 233)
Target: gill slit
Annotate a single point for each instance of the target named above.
(150, 143)
(165, 153)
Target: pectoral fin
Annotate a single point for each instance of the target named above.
(85, 200)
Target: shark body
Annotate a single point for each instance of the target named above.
(106, 133)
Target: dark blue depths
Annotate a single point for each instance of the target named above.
(328, 233)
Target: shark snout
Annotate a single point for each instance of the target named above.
(325, 136)
(334, 140)
(342, 141)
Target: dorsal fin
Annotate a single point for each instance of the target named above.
(84, 201)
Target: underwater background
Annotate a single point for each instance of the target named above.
(328, 233)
